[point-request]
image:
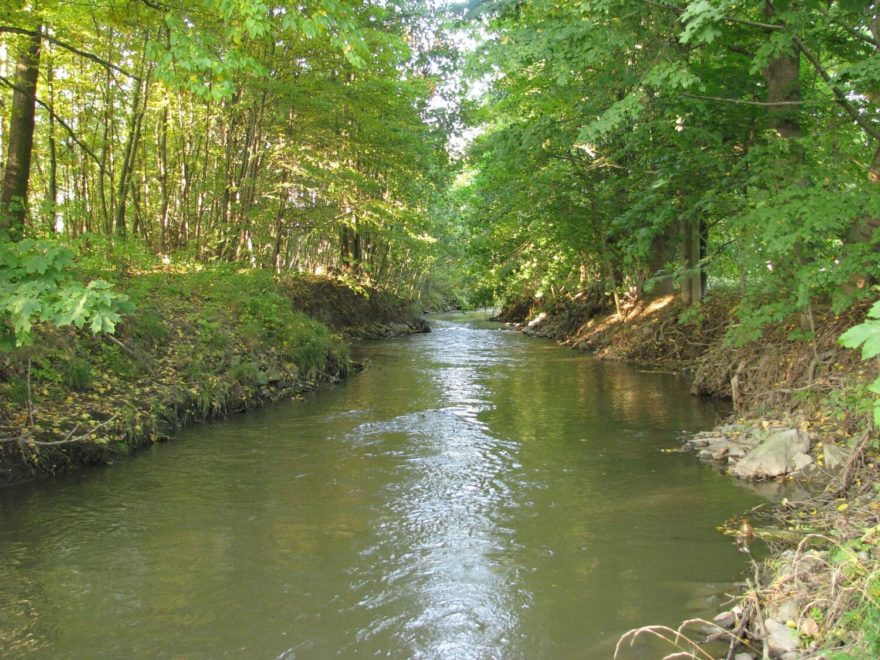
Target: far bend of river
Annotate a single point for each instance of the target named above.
(474, 494)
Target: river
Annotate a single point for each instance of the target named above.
(473, 494)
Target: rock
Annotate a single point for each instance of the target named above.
(787, 610)
(725, 619)
(801, 460)
(743, 656)
(538, 320)
(736, 452)
(774, 456)
(719, 449)
(780, 638)
(835, 457)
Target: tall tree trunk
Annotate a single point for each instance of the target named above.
(693, 250)
(136, 117)
(14, 191)
(162, 158)
(783, 87)
(52, 211)
(106, 169)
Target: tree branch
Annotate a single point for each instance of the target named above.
(729, 19)
(70, 438)
(839, 95)
(851, 30)
(64, 124)
(73, 49)
(153, 4)
(741, 101)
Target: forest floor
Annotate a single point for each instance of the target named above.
(817, 594)
(199, 344)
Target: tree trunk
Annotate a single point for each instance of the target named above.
(134, 132)
(14, 192)
(664, 249)
(693, 251)
(163, 178)
(55, 223)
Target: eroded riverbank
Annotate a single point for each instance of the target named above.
(196, 345)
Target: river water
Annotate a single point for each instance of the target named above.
(473, 494)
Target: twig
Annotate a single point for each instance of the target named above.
(729, 19)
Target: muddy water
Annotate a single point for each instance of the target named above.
(474, 494)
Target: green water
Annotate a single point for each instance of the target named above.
(474, 494)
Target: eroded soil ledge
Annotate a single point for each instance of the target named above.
(800, 417)
(196, 346)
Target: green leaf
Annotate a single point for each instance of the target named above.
(854, 337)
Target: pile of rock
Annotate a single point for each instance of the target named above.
(764, 453)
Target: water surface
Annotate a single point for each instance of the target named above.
(474, 494)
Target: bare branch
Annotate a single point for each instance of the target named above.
(153, 4)
(71, 438)
(66, 46)
(43, 104)
(741, 101)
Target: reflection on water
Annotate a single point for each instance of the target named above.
(475, 494)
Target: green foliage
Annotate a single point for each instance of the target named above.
(78, 374)
(110, 257)
(246, 373)
(861, 622)
(276, 135)
(867, 336)
(148, 326)
(610, 130)
(213, 335)
(114, 360)
(37, 286)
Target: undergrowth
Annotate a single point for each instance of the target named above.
(196, 344)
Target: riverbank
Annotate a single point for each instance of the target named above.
(802, 414)
(197, 345)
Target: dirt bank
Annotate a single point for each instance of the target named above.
(818, 593)
(198, 345)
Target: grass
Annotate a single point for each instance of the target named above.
(198, 344)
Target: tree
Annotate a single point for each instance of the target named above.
(14, 189)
